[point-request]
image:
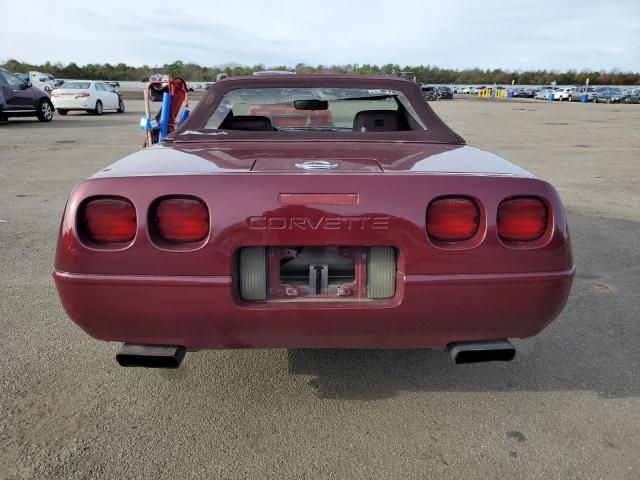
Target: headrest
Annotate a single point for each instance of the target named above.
(376, 121)
(251, 123)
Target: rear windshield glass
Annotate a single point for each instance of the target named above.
(315, 109)
(76, 85)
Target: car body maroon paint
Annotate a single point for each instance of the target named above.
(147, 291)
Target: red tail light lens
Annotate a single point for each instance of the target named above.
(108, 220)
(453, 219)
(181, 219)
(83, 94)
(522, 219)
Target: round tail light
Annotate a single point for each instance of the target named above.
(452, 219)
(522, 219)
(181, 219)
(108, 220)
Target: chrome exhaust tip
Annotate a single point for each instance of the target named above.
(482, 351)
(150, 356)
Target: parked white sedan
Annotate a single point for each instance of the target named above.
(563, 94)
(94, 97)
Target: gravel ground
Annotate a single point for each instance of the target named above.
(567, 407)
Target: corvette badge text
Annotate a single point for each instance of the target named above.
(321, 223)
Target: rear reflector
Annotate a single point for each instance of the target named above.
(453, 219)
(108, 220)
(182, 219)
(522, 219)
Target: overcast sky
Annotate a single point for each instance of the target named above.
(546, 34)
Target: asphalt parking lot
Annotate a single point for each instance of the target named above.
(567, 407)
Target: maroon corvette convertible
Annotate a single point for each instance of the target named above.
(376, 227)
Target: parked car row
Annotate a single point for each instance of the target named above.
(20, 97)
(594, 94)
(631, 95)
(566, 94)
(605, 94)
(524, 92)
(469, 90)
(436, 92)
(611, 95)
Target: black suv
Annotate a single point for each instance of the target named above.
(443, 92)
(429, 92)
(18, 98)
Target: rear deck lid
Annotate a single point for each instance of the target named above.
(304, 158)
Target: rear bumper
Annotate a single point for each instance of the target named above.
(73, 104)
(204, 312)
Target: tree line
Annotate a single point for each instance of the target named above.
(421, 73)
